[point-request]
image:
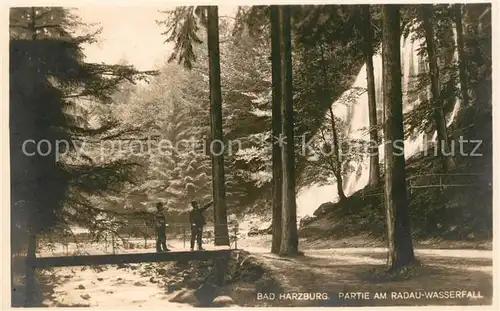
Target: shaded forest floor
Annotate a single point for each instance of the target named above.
(336, 271)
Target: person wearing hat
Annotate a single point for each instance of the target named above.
(197, 221)
(160, 222)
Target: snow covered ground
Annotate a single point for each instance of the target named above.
(250, 221)
(111, 287)
(108, 286)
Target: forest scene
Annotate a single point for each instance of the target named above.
(343, 151)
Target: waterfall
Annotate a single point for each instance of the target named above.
(357, 120)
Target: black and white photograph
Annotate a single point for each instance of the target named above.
(235, 155)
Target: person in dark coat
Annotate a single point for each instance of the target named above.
(197, 221)
(160, 223)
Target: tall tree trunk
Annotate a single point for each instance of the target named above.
(276, 130)
(374, 180)
(338, 163)
(218, 183)
(399, 238)
(289, 237)
(30, 281)
(462, 60)
(32, 24)
(436, 98)
(337, 170)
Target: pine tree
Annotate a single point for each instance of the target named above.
(177, 163)
(46, 63)
(57, 54)
(171, 160)
(35, 23)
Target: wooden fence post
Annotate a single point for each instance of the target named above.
(184, 236)
(66, 244)
(236, 236)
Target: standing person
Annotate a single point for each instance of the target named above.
(197, 221)
(161, 236)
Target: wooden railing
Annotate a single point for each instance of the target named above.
(439, 181)
(143, 238)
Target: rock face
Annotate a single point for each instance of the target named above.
(254, 231)
(223, 301)
(306, 220)
(186, 296)
(324, 208)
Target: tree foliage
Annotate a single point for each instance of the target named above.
(55, 95)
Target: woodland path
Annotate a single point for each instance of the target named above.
(345, 270)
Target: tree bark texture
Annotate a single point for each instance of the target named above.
(289, 237)
(399, 238)
(276, 131)
(221, 231)
(374, 179)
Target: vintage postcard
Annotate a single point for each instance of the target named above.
(246, 155)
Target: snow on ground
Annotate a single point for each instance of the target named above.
(111, 287)
(87, 248)
(78, 230)
(251, 221)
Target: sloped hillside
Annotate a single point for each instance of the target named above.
(460, 210)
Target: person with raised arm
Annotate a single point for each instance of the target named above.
(197, 221)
